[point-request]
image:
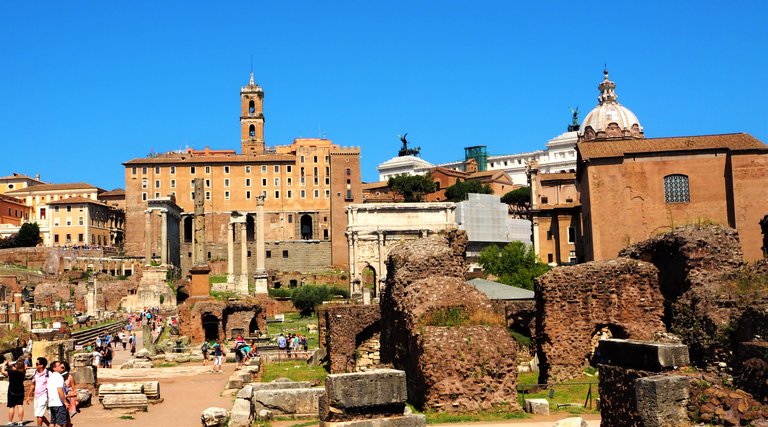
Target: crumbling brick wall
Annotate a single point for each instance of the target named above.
(346, 327)
(708, 289)
(231, 315)
(456, 352)
(578, 305)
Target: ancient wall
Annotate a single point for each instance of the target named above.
(578, 305)
(519, 315)
(31, 258)
(343, 329)
(303, 256)
(231, 317)
(710, 293)
(437, 328)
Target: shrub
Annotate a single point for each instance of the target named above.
(306, 298)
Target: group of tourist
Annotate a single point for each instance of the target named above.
(217, 348)
(53, 389)
(292, 344)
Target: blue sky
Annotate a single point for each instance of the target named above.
(87, 85)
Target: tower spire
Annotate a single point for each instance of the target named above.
(251, 81)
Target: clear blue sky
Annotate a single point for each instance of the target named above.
(86, 85)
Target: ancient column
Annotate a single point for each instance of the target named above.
(260, 278)
(198, 236)
(148, 237)
(243, 255)
(163, 237)
(381, 273)
(199, 288)
(230, 253)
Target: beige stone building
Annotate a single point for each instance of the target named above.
(74, 210)
(17, 181)
(632, 188)
(307, 185)
(556, 217)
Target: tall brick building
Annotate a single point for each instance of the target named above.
(632, 187)
(307, 185)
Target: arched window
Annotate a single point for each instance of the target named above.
(251, 108)
(676, 189)
(252, 131)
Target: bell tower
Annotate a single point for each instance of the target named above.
(252, 119)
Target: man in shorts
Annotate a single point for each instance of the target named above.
(39, 390)
(218, 351)
(56, 397)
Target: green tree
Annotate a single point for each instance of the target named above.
(520, 198)
(412, 187)
(29, 235)
(516, 264)
(306, 298)
(460, 191)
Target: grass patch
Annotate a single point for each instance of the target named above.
(126, 417)
(568, 392)
(446, 417)
(458, 316)
(217, 278)
(295, 370)
(222, 295)
(295, 324)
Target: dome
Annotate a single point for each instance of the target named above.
(610, 119)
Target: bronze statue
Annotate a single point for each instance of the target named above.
(405, 151)
(574, 126)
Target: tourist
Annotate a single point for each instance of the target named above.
(218, 351)
(96, 362)
(281, 343)
(39, 389)
(204, 349)
(15, 373)
(133, 344)
(29, 346)
(70, 391)
(296, 345)
(304, 343)
(246, 354)
(56, 397)
(122, 337)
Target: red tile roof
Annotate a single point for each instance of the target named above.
(620, 148)
(75, 200)
(55, 187)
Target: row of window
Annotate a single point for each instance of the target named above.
(227, 169)
(268, 253)
(15, 213)
(95, 240)
(248, 181)
(248, 194)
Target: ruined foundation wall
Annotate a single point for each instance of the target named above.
(444, 333)
(578, 305)
(346, 327)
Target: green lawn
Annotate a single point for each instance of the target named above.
(296, 370)
(572, 391)
(295, 324)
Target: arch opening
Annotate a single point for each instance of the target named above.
(210, 327)
(306, 227)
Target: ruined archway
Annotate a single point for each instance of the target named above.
(368, 280)
(603, 332)
(210, 327)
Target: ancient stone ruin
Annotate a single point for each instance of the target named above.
(442, 332)
(350, 335)
(690, 285)
(210, 319)
(579, 305)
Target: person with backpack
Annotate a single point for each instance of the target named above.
(205, 349)
(39, 390)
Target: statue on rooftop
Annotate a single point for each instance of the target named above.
(405, 151)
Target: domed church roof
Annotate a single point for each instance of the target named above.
(610, 120)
